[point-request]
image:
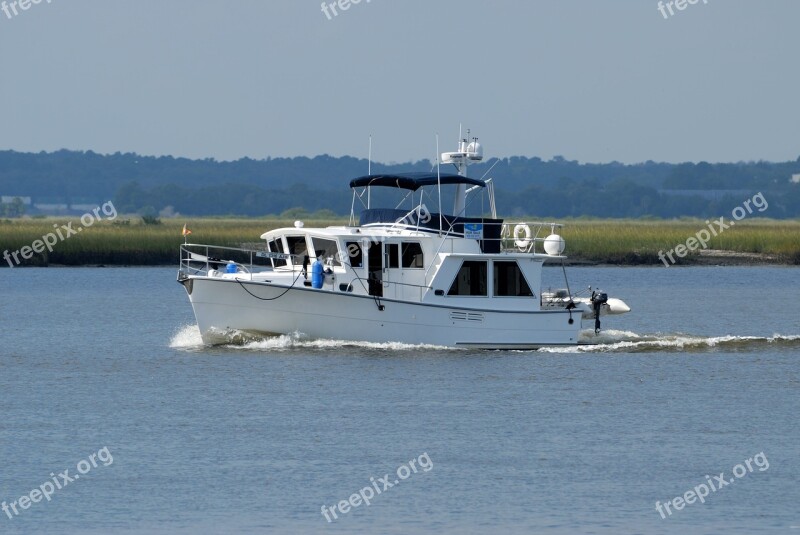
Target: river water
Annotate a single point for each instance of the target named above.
(102, 375)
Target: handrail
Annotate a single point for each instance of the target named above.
(188, 259)
(526, 244)
(507, 240)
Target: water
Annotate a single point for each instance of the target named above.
(256, 438)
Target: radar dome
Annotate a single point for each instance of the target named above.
(554, 245)
(475, 150)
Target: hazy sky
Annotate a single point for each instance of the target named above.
(587, 79)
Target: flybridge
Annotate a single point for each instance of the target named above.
(415, 210)
(413, 181)
(468, 153)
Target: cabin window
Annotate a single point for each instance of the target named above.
(297, 248)
(509, 281)
(275, 246)
(355, 254)
(393, 252)
(325, 249)
(471, 279)
(412, 255)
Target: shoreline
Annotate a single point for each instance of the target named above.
(705, 258)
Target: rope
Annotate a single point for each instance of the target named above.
(269, 298)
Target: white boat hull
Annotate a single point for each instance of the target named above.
(225, 306)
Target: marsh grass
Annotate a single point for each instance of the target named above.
(130, 241)
(606, 241)
(639, 241)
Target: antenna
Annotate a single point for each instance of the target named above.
(369, 171)
(439, 183)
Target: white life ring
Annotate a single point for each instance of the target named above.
(522, 236)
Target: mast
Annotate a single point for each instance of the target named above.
(469, 152)
(369, 171)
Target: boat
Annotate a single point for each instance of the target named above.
(402, 270)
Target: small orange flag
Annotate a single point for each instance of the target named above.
(186, 230)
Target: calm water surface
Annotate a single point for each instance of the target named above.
(700, 377)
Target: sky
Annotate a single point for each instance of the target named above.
(589, 80)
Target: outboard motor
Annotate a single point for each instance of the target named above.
(598, 300)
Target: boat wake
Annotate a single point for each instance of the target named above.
(612, 341)
(188, 339)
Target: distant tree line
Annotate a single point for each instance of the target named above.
(525, 186)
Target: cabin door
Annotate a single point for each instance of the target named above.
(391, 272)
(375, 269)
